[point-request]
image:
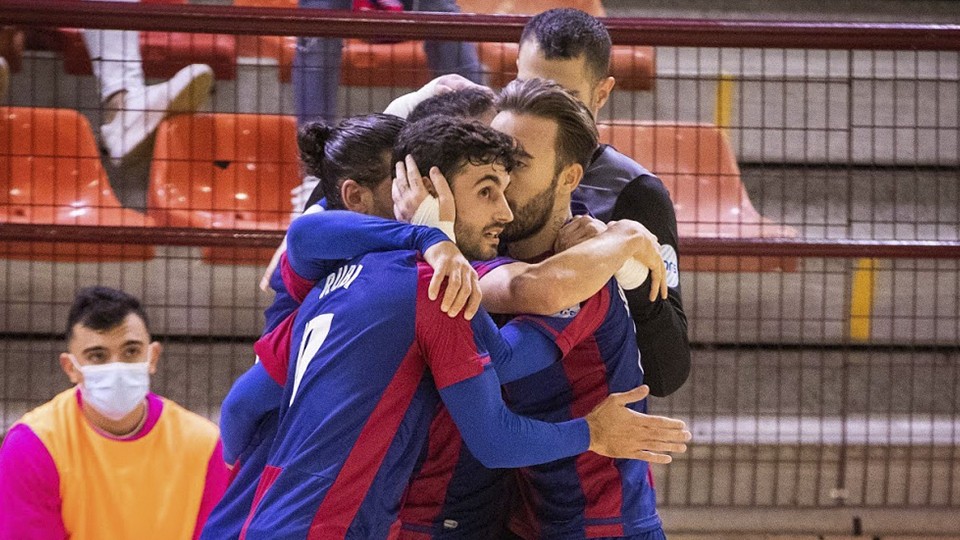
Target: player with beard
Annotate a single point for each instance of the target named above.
(373, 355)
(454, 496)
(572, 48)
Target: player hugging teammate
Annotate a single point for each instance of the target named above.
(387, 402)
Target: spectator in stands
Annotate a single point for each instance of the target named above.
(133, 110)
(316, 66)
(107, 458)
(573, 49)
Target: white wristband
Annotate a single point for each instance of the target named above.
(632, 274)
(428, 213)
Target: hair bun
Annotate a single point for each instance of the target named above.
(311, 141)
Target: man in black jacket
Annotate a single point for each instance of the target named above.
(573, 49)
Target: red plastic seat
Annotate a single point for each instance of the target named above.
(163, 53)
(50, 173)
(280, 48)
(698, 167)
(225, 171)
(633, 67)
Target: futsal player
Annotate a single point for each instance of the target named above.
(572, 48)
(371, 356)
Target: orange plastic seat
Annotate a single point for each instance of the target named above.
(163, 53)
(50, 173)
(633, 67)
(225, 171)
(697, 166)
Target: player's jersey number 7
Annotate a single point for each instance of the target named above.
(313, 337)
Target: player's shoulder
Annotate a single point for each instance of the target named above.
(647, 187)
(611, 160)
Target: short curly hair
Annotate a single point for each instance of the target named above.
(102, 308)
(451, 143)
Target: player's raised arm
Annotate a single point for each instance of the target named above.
(314, 240)
(317, 239)
(565, 279)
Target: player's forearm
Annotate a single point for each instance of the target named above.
(498, 438)
(252, 396)
(662, 340)
(314, 240)
(567, 278)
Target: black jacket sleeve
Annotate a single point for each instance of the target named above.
(661, 325)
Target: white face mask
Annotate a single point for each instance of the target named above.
(114, 389)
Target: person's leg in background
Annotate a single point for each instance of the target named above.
(316, 83)
(316, 70)
(132, 110)
(448, 56)
(4, 79)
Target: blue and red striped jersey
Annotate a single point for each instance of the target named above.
(369, 353)
(453, 495)
(585, 496)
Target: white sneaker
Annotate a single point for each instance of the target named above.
(300, 194)
(145, 107)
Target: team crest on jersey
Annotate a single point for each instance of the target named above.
(567, 313)
(341, 279)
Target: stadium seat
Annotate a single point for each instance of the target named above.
(50, 173)
(280, 48)
(364, 64)
(699, 170)
(163, 53)
(225, 171)
(633, 67)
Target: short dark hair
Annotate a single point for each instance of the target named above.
(102, 308)
(469, 102)
(451, 143)
(577, 137)
(569, 33)
(351, 149)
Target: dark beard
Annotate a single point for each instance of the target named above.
(531, 218)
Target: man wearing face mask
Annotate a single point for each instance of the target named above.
(107, 458)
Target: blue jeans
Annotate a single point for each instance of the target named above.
(316, 65)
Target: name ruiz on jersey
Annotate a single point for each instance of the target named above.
(341, 279)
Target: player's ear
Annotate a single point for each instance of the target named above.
(356, 198)
(156, 349)
(601, 93)
(66, 364)
(570, 177)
